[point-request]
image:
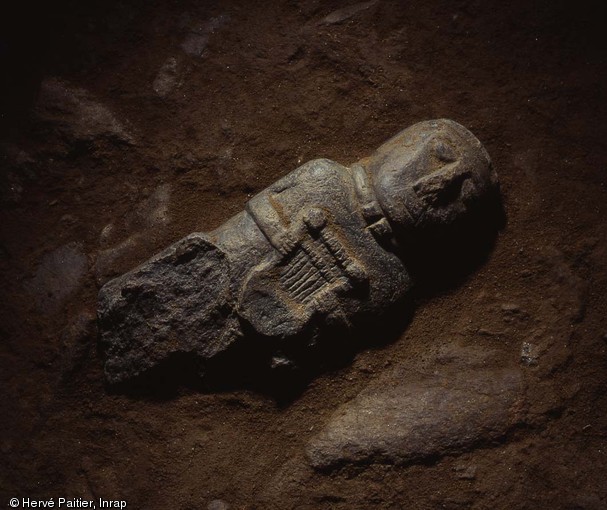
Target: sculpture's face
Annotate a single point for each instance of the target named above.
(431, 174)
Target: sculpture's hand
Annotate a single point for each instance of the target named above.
(285, 242)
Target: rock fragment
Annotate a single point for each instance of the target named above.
(407, 418)
(346, 13)
(167, 78)
(76, 115)
(529, 354)
(218, 504)
(464, 472)
(164, 308)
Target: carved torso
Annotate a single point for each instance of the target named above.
(329, 258)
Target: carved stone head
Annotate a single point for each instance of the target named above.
(430, 175)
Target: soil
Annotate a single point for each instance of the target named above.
(127, 125)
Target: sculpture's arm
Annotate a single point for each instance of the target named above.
(266, 213)
(279, 226)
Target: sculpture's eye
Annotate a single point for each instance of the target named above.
(444, 152)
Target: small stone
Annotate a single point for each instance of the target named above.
(529, 354)
(464, 472)
(106, 233)
(281, 362)
(68, 219)
(510, 308)
(218, 504)
(489, 332)
(346, 13)
(76, 115)
(167, 78)
(154, 211)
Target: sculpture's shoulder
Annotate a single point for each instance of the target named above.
(316, 181)
(278, 210)
(314, 171)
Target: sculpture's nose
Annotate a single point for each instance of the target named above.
(446, 186)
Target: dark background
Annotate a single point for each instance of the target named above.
(127, 125)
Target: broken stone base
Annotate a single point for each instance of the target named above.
(164, 310)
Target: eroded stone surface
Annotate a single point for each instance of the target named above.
(163, 309)
(424, 416)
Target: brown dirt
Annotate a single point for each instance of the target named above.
(273, 88)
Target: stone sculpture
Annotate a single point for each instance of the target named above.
(321, 246)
